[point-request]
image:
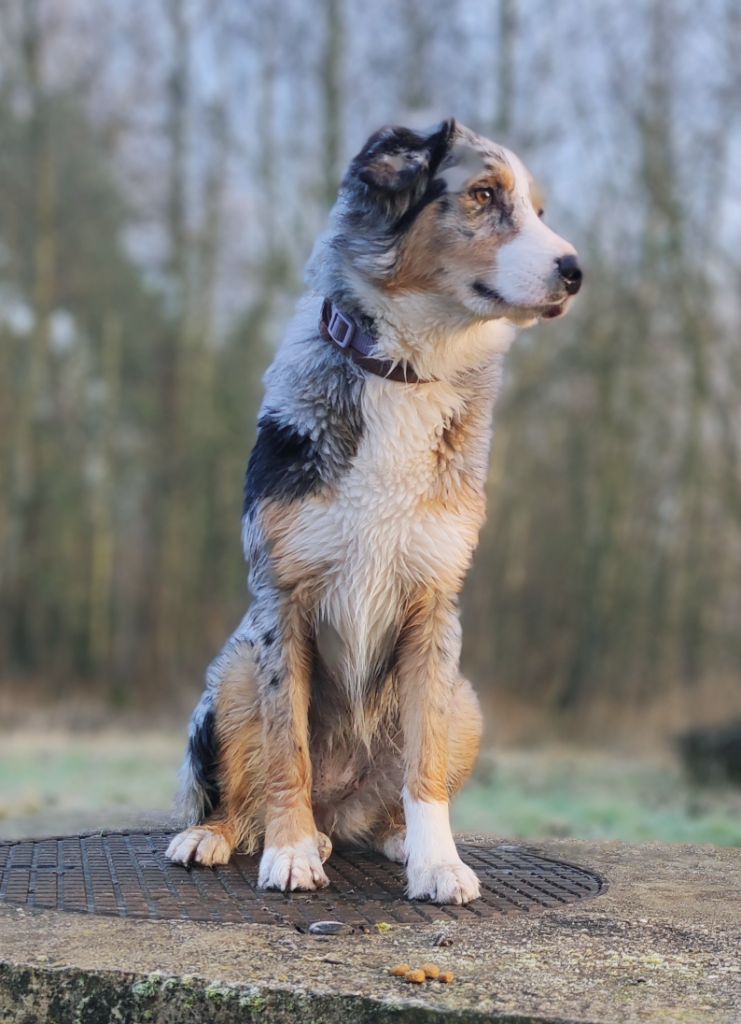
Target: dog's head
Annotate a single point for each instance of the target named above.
(449, 213)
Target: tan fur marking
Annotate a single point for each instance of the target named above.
(279, 520)
(501, 176)
(462, 459)
(505, 177)
(427, 658)
(464, 737)
(428, 250)
(392, 824)
(422, 254)
(288, 814)
(241, 762)
(456, 489)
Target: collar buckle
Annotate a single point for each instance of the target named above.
(341, 328)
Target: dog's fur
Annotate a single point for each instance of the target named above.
(337, 708)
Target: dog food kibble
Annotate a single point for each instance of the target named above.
(419, 975)
(400, 971)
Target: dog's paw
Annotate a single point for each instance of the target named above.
(324, 845)
(442, 883)
(393, 848)
(199, 845)
(293, 867)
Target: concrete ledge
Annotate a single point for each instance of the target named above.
(661, 945)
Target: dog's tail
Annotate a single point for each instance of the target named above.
(199, 781)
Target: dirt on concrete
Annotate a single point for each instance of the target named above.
(661, 945)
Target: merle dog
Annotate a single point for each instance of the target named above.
(337, 708)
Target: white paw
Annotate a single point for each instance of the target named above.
(200, 846)
(393, 848)
(292, 867)
(442, 883)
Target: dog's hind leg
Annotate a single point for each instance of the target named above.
(223, 778)
(389, 838)
(464, 735)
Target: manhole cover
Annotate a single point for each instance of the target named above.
(125, 874)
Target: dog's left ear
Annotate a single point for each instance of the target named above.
(396, 160)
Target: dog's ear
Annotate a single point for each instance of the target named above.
(396, 160)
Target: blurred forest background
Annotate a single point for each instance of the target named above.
(164, 169)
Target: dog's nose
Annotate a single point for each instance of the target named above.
(570, 273)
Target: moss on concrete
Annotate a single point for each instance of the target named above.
(42, 996)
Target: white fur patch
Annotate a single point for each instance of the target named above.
(436, 333)
(525, 274)
(525, 270)
(394, 848)
(292, 867)
(434, 869)
(380, 538)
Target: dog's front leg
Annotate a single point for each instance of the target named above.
(294, 850)
(427, 670)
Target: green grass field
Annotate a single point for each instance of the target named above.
(590, 795)
(57, 781)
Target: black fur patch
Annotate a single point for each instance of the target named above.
(487, 293)
(435, 190)
(287, 464)
(203, 749)
(391, 176)
(283, 464)
(368, 165)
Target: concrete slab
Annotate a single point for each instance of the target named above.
(662, 945)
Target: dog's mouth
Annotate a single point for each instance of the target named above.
(546, 312)
(551, 312)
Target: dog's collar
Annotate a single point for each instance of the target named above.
(341, 330)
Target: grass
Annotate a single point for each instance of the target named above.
(583, 794)
(55, 780)
(62, 773)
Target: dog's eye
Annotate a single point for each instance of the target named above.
(540, 212)
(483, 196)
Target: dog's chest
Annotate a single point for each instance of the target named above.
(390, 510)
(390, 526)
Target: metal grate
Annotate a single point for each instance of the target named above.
(125, 874)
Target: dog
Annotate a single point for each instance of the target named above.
(337, 712)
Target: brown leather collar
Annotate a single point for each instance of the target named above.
(342, 331)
